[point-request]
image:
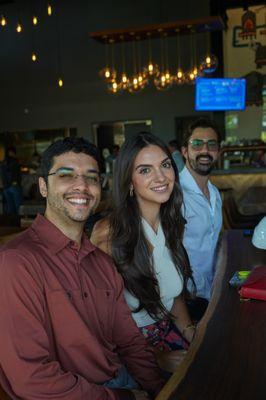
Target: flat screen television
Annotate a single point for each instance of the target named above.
(220, 94)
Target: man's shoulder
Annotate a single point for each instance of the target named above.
(24, 240)
(24, 247)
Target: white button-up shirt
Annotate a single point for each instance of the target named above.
(204, 222)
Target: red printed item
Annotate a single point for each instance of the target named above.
(254, 286)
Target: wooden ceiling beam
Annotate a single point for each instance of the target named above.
(208, 24)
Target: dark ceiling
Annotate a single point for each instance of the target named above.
(64, 39)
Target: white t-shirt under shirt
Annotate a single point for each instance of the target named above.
(170, 281)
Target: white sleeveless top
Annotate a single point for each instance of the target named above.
(169, 280)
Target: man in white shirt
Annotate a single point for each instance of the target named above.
(202, 207)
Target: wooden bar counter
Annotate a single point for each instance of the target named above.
(227, 359)
(239, 179)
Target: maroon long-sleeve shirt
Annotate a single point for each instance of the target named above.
(64, 325)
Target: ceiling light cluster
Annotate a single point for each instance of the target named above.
(159, 74)
(132, 74)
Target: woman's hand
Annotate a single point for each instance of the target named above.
(170, 360)
(182, 319)
(189, 332)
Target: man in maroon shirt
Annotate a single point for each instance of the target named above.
(65, 330)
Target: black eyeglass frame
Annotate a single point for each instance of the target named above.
(101, 179)
(203, 142)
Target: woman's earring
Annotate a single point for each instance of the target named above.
(131, 191)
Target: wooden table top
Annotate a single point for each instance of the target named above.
(226, 360)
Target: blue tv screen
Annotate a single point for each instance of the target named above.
(220, 94)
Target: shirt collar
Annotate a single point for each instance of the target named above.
(55, 239)
(188, 181)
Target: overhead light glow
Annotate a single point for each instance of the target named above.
(49, 9)
(19, 28)
(3, 20)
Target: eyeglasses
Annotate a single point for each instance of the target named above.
(198, 144)
(69, 176)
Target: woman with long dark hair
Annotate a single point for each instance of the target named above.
(144, 236)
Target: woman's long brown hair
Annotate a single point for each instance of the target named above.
(130, 248)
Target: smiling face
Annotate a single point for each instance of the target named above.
(71, 200)
(201, 160)
(153, 178)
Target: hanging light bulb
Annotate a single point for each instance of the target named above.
(195, 71)
(124, 81)
(142, 81)
(108, 74)
(160, 81)
(190, 76)
(3, 21)
(135, 84)
(209, 64)
(35, 20)
(124, 78)
(164, 80)
(142, 77)
(19, 27)
(34, 56)
(113, 87)
(151, 69)
(179, 77)
(49, 9)
(60, 82)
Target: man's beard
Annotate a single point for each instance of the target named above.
(57, 205)
(202, 169)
